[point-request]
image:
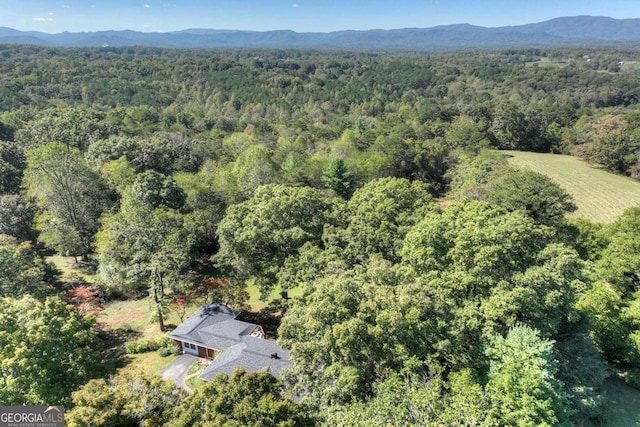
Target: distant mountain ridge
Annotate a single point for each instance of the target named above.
(566, 31)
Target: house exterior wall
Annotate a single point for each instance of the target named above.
(189, 348)
(196, 350)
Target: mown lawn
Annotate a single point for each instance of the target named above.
(150, 363)
(131, 320)
(600, 196)
(194, 372)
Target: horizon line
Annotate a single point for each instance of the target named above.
(313, 32)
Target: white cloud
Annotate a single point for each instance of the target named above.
(50, 13)
(93, 6)
(66, 6)
(42, 19)
(295, 5)
(147, 6)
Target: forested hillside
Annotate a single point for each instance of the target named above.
(434, 284)
(566, 31)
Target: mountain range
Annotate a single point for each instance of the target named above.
(565, 31)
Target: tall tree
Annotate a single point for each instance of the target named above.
(379, 215)
(418, 397)
(73, 127)
(521, 383)
(16, 217)
(613, 302)
(348, 330)
(23, 270)
(148, 243)
(70, 195)
(336, 177)
(620, 262)
(252, 169)
(533, 193)
(12, 164)
(257, 236)
(608, 142)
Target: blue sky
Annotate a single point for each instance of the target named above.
(54, 16)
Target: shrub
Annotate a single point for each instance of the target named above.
(144, 346)
(168, 350)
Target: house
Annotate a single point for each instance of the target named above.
(214, 333)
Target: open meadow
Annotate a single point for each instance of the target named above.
(600, 195)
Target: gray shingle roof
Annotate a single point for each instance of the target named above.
(214, 326)
(252, 354)
(207, 316)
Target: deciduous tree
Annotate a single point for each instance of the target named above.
(16, 217)
(148, 242)
(521, 383)
(244, 399)
(47, 349)
(125, 399)
(257, 236)
(12, 164)
(23, 270)
(70, 195)
(532, 193)
(379, 215)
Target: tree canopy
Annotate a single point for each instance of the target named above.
(257, 236)
(429, 281)
(243, 399)
(48, 350)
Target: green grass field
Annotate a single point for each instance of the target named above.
(600, 196)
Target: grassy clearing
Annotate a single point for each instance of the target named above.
(600, 196)
(129, 315)
(133, 318)
(548, 63)
(149, 363)
(135, 315)
(621, 407)
(69, 267)
(258, 304)
(630, 66)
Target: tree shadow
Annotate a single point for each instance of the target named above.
(269, 318)
(115, 355)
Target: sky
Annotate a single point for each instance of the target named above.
(54, 16)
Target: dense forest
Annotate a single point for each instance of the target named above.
(434, 284)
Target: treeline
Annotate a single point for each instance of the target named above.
(438, 285)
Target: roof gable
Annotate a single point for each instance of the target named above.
(215, 326)
(207, 316)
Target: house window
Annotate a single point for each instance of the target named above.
(189, 345)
